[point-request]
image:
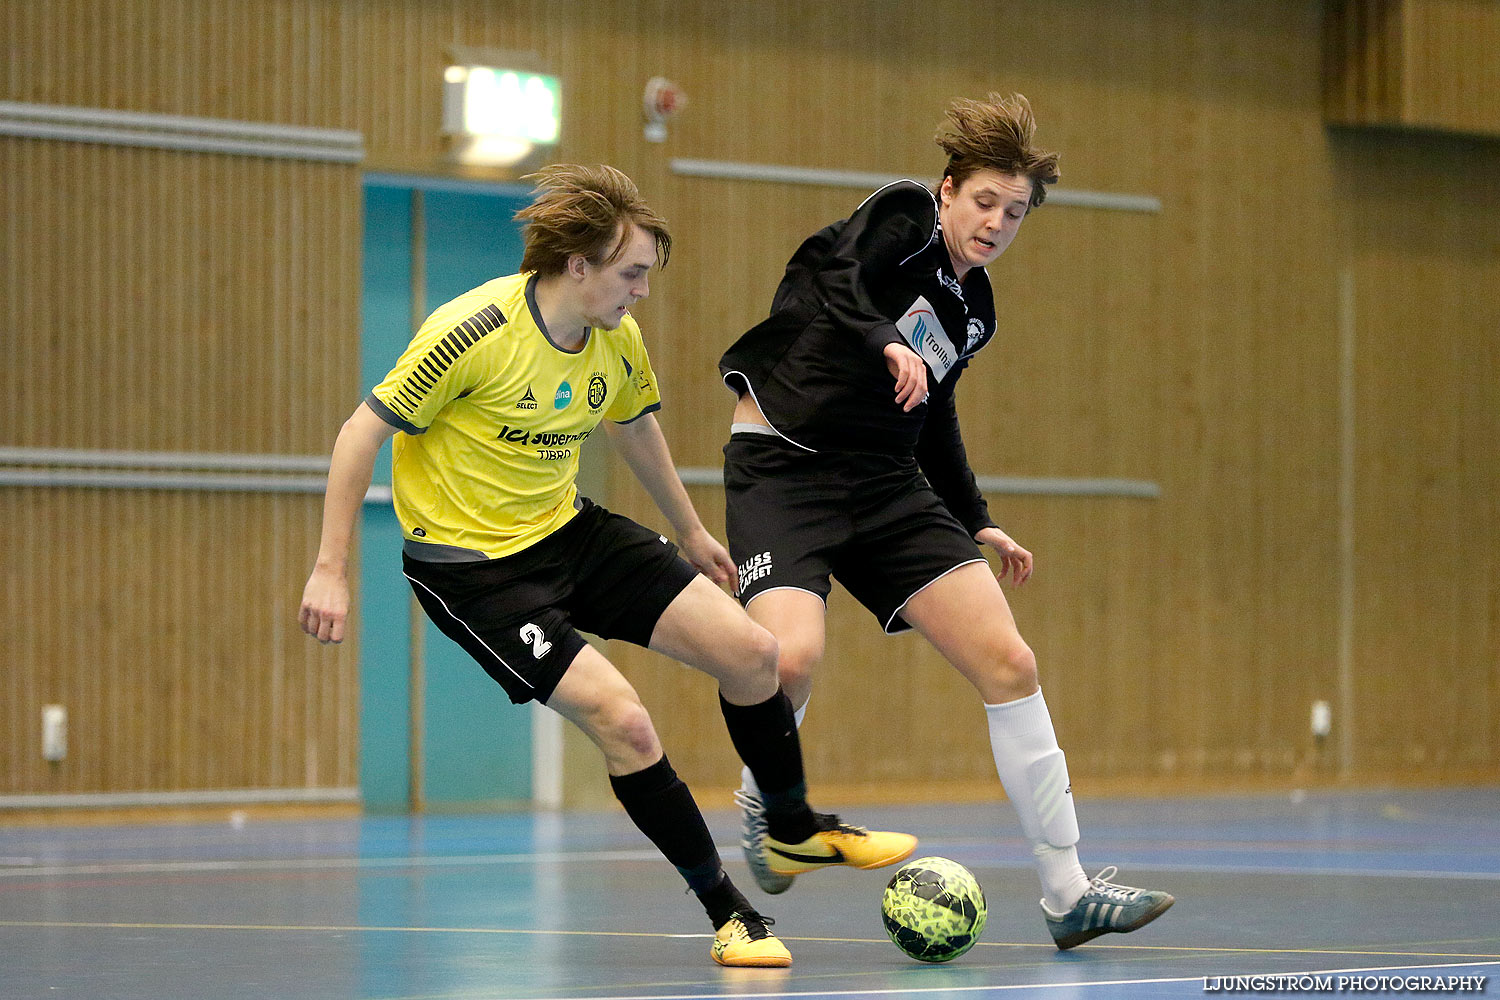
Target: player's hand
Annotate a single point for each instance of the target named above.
(708, 556)
(325, 606)
(910, 373)
(1015, 561)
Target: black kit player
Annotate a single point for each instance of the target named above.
(845, 460)
(492, 399)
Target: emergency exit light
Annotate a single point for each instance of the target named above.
(500, 116)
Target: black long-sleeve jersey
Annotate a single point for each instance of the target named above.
(815, 365)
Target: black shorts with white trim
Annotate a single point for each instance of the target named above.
(871, 521)
(520, 616)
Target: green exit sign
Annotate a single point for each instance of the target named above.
(502, 103)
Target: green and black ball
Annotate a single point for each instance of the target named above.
(933, 909)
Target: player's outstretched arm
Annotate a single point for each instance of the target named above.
(325, 599)
(910, 373)
(644, 448)
(1015, 561)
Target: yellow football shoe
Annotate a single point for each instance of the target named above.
(746, 942)
(837, 843)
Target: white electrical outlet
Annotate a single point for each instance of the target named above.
(54, 732)
(1322, 718)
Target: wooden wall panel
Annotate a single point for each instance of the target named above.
(1423, 64)
(153, 288)
(178, 302)
(1181, 638)
(1363, 76)
(1452, 65)
(164, 623)
(1427, 419)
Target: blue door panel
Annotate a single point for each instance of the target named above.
(476, 744)
(383, 605)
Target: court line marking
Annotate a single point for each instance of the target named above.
(302, 864)
(563, 857)
(381, 929)
(987, 988)
(1243, 869)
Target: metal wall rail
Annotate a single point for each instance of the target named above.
(1017, 485)
(866, 181)
(254, 473)
(229, 796)
(166, 470)
(105, 459)
(156, 131)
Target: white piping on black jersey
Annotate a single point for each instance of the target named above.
(925, 190)
(751, 390)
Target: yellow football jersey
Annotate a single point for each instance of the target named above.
(494, 415)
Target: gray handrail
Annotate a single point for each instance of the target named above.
(1017, 485)
(869, 181)
(158, 131)
(258, 473)
(170, 470)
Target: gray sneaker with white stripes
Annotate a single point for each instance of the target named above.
(1106, 908)
(752, 837)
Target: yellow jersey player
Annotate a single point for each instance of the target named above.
(490, 404)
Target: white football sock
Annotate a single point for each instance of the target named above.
(1034, 774)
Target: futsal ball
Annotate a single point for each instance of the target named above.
(933, 909)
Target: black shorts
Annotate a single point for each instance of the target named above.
(871, 521)
(519, 615)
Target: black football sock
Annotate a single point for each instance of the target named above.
(765, 736)
(659, 804)
(724, 901)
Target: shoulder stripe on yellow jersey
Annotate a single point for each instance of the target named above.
(442, 355)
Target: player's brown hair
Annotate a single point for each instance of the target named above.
(588, 211)
(996, 133)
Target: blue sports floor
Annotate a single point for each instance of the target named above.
(1380, 888)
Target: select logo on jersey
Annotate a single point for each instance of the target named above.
(563, 398)
(598, 389)
(527, 402)
(419, 532)
(753, 569)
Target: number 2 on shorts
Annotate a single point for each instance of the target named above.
(539, 644)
